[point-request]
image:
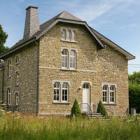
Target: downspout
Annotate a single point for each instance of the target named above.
(37, 90)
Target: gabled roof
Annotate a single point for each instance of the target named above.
(66, 17)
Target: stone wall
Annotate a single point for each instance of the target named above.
(93, 65)
(27, 88)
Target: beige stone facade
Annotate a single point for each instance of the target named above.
(98, 62)
(94, 65)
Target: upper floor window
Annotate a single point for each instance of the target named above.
(68, 34)
(17, 78)
(9, 68)
(109, 93)
(72, 59)
(69, 59)
(17, 59)
(65, 58)
(61, 92)
(9, 97)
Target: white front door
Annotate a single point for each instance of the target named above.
(86, 98)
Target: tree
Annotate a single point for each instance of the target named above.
(3, 37)
(101, 109)
(134, 91)
(75, 110)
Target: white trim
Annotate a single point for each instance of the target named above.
(55, 68)
(108, 93)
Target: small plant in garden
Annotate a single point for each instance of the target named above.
(101, 109)
(75, 110)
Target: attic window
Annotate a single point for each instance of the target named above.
(68, 34)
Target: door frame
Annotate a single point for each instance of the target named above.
(90, 83)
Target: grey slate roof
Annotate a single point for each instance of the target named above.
(67, 17)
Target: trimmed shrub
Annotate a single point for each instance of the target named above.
(75, 110)
(101, 109)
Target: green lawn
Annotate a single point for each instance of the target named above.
(34, 128)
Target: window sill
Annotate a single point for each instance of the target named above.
(64, 69)
(68, 41)
(67, 103)
(110, 104)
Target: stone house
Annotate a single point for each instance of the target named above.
(62, 60)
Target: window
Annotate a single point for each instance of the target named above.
(105, 92)
(109, 93)
(68, 34)
(9, 96)
(17, 78)
(65, 58)
(69, 59)
(56, 91)
(17, 59)
(72, 59)
(9, 68)
(61, 92)
(112, 94)
(65, 92)
(16, 99)
(64, 34)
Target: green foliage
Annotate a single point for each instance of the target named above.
(75, 110)
(101, 109)
(134, 96)
(3, 37)
(134, 91)
(35, 128)
(134, 78)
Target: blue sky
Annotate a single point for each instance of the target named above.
(119, 20)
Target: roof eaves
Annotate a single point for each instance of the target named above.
(128, 55)
(19, 46)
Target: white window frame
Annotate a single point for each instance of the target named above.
(74, 59)
(114, 91)
(105, 90)
(68, 59)
(64, 88)
(60, 91)
(16, 95)
(108, 93)
(56, 88)
(69, 34)
(65, 58)
(9, 97)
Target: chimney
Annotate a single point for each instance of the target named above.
(31, 22)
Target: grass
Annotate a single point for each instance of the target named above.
(35, 128)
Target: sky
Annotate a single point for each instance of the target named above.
(119, 20)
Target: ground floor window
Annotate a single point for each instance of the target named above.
(61, 90)
(109, 93)
(16, 99)
(9, 97)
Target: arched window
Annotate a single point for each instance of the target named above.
(17, 59)
(56, 91)
(16, 99)
(65, 58)
(72, 35)
(112, 93)
(9, 97)
(64, 34)
(65, 88)
(73, 59)
(105, 94)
